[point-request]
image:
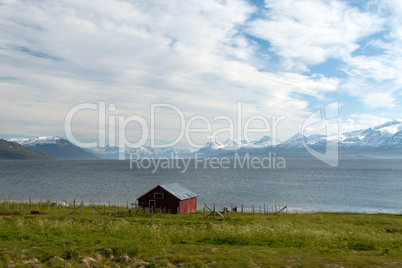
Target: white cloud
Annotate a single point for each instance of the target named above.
(307, 32)
(359, 121)
(375, 78)
(192, 54)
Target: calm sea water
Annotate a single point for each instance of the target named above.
(358, 185)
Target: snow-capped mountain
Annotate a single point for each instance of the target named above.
(384, 137)
(295, 142)
(214, 147)
(14, 150)
(54, 146)
(113, 152)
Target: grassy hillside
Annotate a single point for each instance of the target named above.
(64, 150)
(240, 240)
(12, 150)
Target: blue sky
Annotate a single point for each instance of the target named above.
(278, 57)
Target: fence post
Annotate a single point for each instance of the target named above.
(242, 208)
(104, 209)
(253, 208)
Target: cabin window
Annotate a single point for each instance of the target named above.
(158, 195)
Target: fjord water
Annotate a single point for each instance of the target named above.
(356, 185)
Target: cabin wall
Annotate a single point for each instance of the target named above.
(188, 205)
(169, 202)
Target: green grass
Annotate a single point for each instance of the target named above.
(240, 240)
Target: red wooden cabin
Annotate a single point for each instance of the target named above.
(169, 197)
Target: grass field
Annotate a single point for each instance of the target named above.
(51, 239)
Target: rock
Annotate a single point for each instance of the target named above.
(109, 253)
(140, 262)
(31, 261)
(98, 257)
(56, 261)
(87, 261)
(124, 259)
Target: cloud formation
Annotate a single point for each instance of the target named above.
(201, 56)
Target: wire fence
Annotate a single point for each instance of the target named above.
(80, 207)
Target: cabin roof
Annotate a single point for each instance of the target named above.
(179, 191)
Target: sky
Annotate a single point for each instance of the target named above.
(200, 59)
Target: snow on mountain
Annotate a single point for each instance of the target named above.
(214, 147)
(113, 152)
(265, 141)
(391, 126)
(18, 140)
(396, 140)
(46, 140)
(55, 146)
(379, 136)
(295, 142)
(383, 137)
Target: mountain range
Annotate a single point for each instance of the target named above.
(56, 147)
(13, 150)
(383, 138)
(112, 152)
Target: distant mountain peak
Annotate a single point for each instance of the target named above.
(14, 150)
(44, 140)
(264, 140)
(388, 124)
(56, 146)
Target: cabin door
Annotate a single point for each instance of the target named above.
(152, 204)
